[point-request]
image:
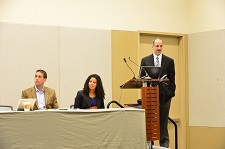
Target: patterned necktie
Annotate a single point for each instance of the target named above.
(157, 61)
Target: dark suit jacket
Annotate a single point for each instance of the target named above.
(82, 101)
(167, 90)
(50, 97)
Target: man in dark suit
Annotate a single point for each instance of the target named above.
(167, 89)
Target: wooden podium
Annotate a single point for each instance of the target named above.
(150, 102)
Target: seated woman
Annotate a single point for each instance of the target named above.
(92, 96)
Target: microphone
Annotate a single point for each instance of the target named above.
(146, 74)
(129, 68)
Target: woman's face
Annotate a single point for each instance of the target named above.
(92, 83)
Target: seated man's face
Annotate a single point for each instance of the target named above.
(39, 79)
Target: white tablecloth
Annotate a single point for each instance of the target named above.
(75, 129)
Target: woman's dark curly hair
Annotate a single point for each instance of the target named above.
(99, 91)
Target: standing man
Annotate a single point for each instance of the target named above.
(46, 97)
(167, 89)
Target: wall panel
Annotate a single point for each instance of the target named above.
(207, 81)
(83, 52)
(23, 50)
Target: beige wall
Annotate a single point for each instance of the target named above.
(161, 15)
(206, 90)
(206, 138)
(124, 45)
(206, 25)
(206, 15)
(178, 16)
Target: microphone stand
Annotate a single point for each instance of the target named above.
(129, 68)
(141, 68)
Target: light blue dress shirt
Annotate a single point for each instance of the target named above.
(40, 98)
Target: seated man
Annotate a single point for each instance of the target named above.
(46, 97)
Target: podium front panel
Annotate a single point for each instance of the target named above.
(150, 102)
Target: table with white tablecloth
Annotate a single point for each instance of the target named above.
(90, 129)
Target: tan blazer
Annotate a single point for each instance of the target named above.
(50, 97)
